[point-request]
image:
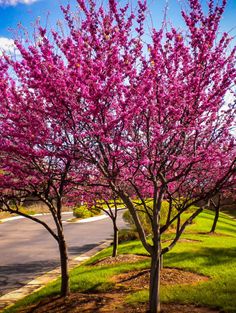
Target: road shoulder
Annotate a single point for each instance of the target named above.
(36, 284)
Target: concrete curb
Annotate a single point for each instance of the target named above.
(85, 220)
(89, 219)
(8, 219)
(9, 299)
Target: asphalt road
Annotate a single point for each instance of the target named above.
(27, 250)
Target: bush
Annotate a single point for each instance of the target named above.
(144, 217)
(84, 212)
(95, 211)
(127, 235)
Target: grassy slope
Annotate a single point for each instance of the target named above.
(213, 256)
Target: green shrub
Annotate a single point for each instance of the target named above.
(127, 235)
(24, 210)
(95, 211)
(145, 219)
(84, 212)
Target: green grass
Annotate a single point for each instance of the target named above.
(212, 255)
(230, 210)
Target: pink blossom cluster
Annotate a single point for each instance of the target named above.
(112, 112)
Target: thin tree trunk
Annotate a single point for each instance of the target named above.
(217, 213)
(65, 283)
(115, 239)
(154, 286)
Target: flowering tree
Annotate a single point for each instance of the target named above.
(227, 193)
(154, 123)
(100, 196)
(148, 119)
(36, 147)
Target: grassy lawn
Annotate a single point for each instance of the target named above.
(211, 255)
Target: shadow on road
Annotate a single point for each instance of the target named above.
(15, 275)
(74, 250)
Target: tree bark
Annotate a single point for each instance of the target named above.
(154, 285)
(217, 213)
(65, 283)
(115, 239)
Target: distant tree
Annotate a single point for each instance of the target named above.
(216, 202)
(110, 204)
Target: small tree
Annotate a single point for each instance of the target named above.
(36, 148)
(96, 194)
(216, 205)
(227, 192)
(110, 206)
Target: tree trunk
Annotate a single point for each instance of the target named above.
(65, 283)
(217, 213)
(154, 286)
(161, 261)
(115, 239)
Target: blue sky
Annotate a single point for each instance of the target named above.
(26, 12)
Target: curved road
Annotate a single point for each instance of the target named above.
(27, 250)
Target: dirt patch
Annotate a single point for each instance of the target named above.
(114, 300)
(77, 303)
(171, 308)
(123, 258)
(104, 303)
(189, 240)
(169, 276)
(183, 240)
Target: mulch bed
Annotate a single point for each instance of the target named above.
(104, 303)
(169, 276)
(122, 258)
(113, 301)
(171, 308)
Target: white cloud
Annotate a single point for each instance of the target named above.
(15, 2)
(7, 45)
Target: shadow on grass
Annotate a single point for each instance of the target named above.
(223, 219)
(210, 256)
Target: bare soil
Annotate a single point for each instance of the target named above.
(137, 280)
(122, 258)
(114, 300)
(104, 303)
(184, 240)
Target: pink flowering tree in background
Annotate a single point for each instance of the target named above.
(147, 120)
(97, 194)
(224, 198)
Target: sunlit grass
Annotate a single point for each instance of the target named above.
(210, 255)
